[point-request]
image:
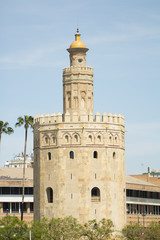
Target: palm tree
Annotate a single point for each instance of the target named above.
(27, 121)
(4, 128)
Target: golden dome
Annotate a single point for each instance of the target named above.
(77, 43)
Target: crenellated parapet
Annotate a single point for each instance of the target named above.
(66, 118)
(74, 69)
(73, 72)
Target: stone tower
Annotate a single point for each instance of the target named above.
(79, 165)
(78, 81)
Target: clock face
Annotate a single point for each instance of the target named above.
(80, 60)
(77, 60)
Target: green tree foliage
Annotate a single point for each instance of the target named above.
(39, 230)
(152, 231)
(4, 128)
(69, 229)
(27, 121)
(65, 229)
(133, 232)
(98, 231)
(12, 228)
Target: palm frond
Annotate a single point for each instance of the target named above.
(20, 122)
(1, 124)
(26, 118)
(6, 124)
(4, 130)
(10, 130)
(30, 121)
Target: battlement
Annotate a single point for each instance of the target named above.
(82, 70)
(66, 118)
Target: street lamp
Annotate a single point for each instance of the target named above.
(7, 210)
(143, 214)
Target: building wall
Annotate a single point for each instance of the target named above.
(9, 197)
(146, 177)
(143, 220)
(143, 201)
(73, 179)
(142, 208)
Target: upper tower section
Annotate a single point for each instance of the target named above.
(77, 52)
(78, 81)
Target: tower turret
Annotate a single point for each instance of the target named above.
(78, 81)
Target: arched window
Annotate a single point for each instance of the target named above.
(90, 138)
(71, 154)
(116, 140)
(46, 140)
(75, 138)
(66, 139)
(49, 195)
(99, 138)
(49, 155)
(95, 194)
(114, 155)
(95, 154)
(54, 139)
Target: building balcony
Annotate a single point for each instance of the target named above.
(142, 201)
(15, 198)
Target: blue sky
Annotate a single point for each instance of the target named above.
(124, 41)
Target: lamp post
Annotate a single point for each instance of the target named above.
(7, 211)
(137, 213)
(143, 214)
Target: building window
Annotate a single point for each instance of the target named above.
(95, 154)
(46, 140)
(99, 138)
(28, 190)
(6, 207)
(66, 139)
(95, 194)
(69, 102)
(110, 139)
(75, 138)
(5, 190)
(114, 155)
(15, 207)
(54, 139)
(49, 155)
(31, 207)
(90, 138)
(116, 139)
(71, 154)
(50, 195)
(24, 207)
(15, 190)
